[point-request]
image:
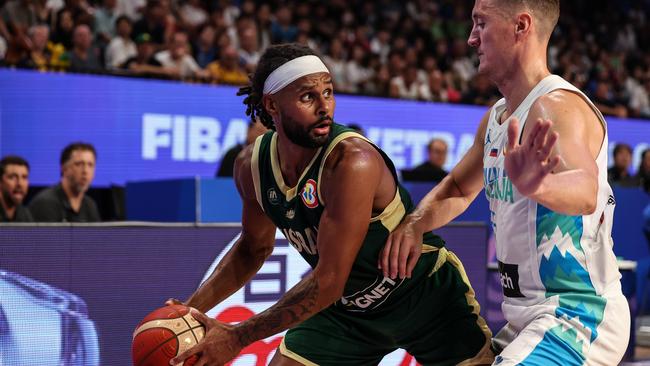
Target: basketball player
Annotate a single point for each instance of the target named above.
(551, 206)
(335, 196)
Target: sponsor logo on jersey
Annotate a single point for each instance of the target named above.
(510, 279)
(272, 194)
(290, 214)
(372, 296)
(308, 194)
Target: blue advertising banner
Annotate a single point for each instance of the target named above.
(152, 129)
(73, 295)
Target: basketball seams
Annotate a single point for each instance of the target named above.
(177, 323)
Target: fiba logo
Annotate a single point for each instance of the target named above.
(273, 196)
(308, 194)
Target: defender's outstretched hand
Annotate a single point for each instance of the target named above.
(402, 250)
(219, 345)
(529, 163)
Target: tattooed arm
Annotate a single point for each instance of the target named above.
(247, 254)
(349, 185)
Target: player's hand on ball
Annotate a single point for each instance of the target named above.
(402, 250)
(219, 345)
(173, 301)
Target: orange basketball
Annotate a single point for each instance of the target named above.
(164, 334)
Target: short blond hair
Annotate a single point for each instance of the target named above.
(546, 12)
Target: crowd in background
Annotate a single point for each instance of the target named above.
(404, 49)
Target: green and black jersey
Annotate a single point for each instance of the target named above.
(296, 211)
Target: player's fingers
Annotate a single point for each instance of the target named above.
(542, 134)
(173, 301)
(413, 259)
(403, 257)
(201, 362)
(201, 318)
(385, 255)
(513, 128)
(552, 164)
(394, 257)
(545, 151)
(178, 360)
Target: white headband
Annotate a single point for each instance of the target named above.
(291, 71)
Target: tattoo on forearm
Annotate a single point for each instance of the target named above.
(297, 305)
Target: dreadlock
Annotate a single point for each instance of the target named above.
(274, 57)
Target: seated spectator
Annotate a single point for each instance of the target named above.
(144, 63)
(619, 173)
(44, 55)
(63, 29)
(205, 49)
(605, 101)
(14, 183)
(481, 92)
(431, 170)
(121, 47)
(83, 57)
(407, 85)
(106, 18)
(227, 166)
(282, 29)
(227, 69)
(154, 22)
(643, 173)
(249, 51)
(17, 16)
(177, 60)
(192, 14)
(67, 201)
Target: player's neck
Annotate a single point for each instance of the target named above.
(524, 75)
(293, 159)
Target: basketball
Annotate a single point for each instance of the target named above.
(164, 334)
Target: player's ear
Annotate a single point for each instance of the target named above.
(270, 105)
(524, 22)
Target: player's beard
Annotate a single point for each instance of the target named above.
(302, 136)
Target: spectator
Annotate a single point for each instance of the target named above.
(17, 16)
(192, 15)
(131, 8)
(604, 99)
(282, 30)
(227, 69)
(83, 57)
(121, 47)
(619, 173)
(177, 60)
(431, 170)
(335, 61)
(408, 86)
(144, 63)
(63, 29)
(249, 51)
(106, 18)
(255, 129)
(206, 50)
(643, 173)
(481, 92)
(43, 55)
(67, 201)
(14, 183)
(154, 22)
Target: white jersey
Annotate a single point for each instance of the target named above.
(550, 263)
